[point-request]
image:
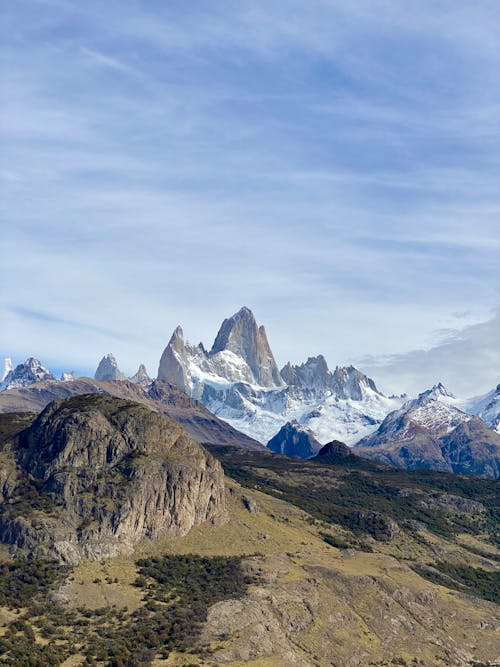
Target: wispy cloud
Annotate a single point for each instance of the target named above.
(334, 166)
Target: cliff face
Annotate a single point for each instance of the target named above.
(105, 474)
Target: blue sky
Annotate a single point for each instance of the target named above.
(332, 165)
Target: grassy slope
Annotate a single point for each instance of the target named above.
(316, 604)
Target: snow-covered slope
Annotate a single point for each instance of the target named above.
(238, 381)
(486, 406)
(432, 432)
(24, 374)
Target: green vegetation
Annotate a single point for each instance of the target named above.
(178, 590)
(475, 581)
(23, 582)
(363, 497)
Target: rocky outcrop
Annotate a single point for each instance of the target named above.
(24, 374)
(349, 383)
(315, 379)
(294, 440)
(171, 401)
(141, 377)
(107, 473)
(241, 335)
(108, 369)
(240, 353)
(69, 377)
(472, 449)
(335, 452)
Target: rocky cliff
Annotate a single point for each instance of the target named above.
(94, 475)
(294, 440)
(108, 369)
(241, 335)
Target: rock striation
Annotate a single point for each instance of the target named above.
(104, 474)
(241, 335)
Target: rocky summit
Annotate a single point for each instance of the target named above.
(94, 475)
(24, 374)
(108, 369)
(294, 440)
(238, 380)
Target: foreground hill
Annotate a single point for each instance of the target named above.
(332, 561)
(92, 476)
(161, 396)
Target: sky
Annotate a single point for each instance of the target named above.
(333, 165)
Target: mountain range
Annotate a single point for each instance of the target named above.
(299, 408)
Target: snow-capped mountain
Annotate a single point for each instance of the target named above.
(7, 368)
(24, 374)
(239, 381)
(431, 432)
(486, 406)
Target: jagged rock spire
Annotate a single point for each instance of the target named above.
(108, 369)
(141, 377)
(241, 335)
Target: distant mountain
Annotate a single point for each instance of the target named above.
(238, 380)
(429, 432)
(141, 377)
(201, 424)
(294, 440)
(486, 406)
(7, 368)
(24, 374)
(108, 369)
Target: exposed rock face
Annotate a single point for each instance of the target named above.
(240, 353)
(472, 449)
(108, 369)
(348, 382)
(238, 381)
(171, 401)
(294, 440)
(141, 377)
(429, 433)
(241, 335)
(335, 452)
(29, 372)
(108, 474)
(314, 378)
